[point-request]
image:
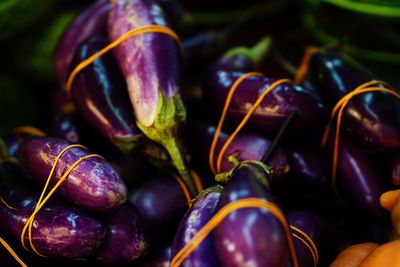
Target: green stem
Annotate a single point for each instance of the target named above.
(255, 53)
(367, 8)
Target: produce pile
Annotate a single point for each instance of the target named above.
(176, 139)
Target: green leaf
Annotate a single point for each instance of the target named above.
(383, 8)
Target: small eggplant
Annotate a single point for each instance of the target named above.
(250, 236)
(127, 237)
(246, 146)
(204, 207)
(93, 184)
(59, 230)
(358, 179)
(67, 126)
(100, 96)
(275, 107)
(92, 21)
(150, 65)
(161, 202)
(371, 119)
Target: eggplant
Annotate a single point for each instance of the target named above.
(320, 230)
(204, 207)
(275, 107)
(90, 22)
(251, 236)
(371, 119)
(158, 258)
(246, 146)
(126, 237)
(150, 65)
(93, 184)
(359, 180)
(161, 202)
(308, 166)
(59, 230)
(67, 126)
(395, 167)
(99, 94)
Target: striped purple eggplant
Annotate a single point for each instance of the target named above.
(204, 207)
(161, 202)
(371, 119)
(250, 236)
(59, 230)
(359, 179)
(92, 21)
(93, 184)
(126, 239)
(150, 64)
(395, 167)
(275, 107)
(246, 146)
(100, 96)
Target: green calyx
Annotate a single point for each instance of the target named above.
(165, 131)
(126, 145)
(256, 53)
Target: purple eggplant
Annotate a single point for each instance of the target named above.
(59, 230)
(371, 119)
(161, 202)
(395, 166)
(359, 180)
(204, 207)
(308, 167)
(92, 21)
(93, 184)
(127, 237)
(326, 237)
(150, 65)
(276, 106)
(250, 236)
(100, 96)
(246, 146)
(67, 126)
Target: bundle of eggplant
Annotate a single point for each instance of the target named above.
(142, 167)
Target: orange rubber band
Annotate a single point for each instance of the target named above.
(129, 34)
(303, 68)
(308, 242)
(245, 119)
(184, 189)
(6, 204)
(222, 214)
(223, 115)
(43, 199)
(197, 181)
(12, 252)
(29, 130)
(339, 108)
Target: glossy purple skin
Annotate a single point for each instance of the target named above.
(161, 202)
(150, 61)
(246, 146)
(308, 167)
(371, 119)
(359, 179)
(99, 94)
(127, 237)
(92, 21)
(275, 107)
(395, 166)
(253, 236)
(59, 230)
(203, 209)
(93, 184)
(236, 63)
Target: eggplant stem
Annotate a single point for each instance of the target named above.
(268, 154)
